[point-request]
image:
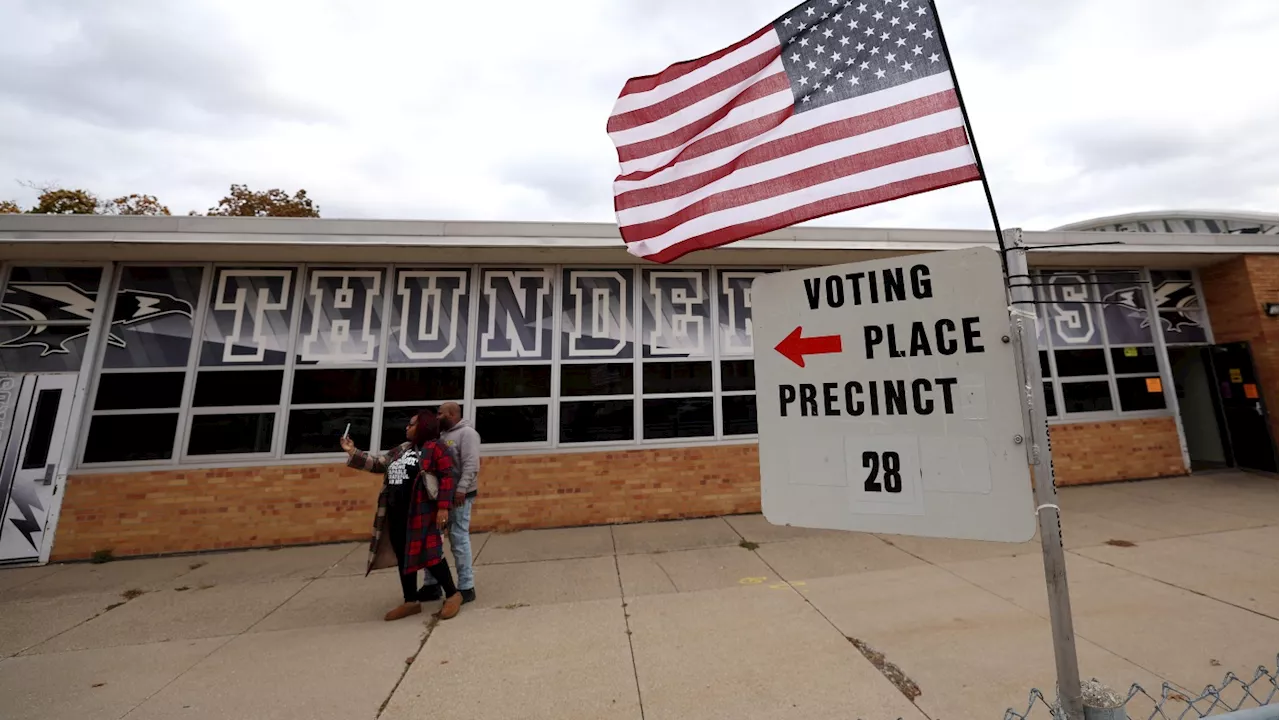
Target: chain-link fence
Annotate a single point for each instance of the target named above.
(1175, 703)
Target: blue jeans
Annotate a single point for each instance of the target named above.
(460, 541)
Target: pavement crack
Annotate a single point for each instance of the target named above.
(431, 626)
(626, 620)
(895, 674)
(835, 627)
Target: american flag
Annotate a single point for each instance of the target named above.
(835, 105)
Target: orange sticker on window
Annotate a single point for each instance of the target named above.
(1251, 391)
(1154, 386)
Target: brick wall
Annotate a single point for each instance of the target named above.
(1234, 293)
(165, 511)
(1116, 450)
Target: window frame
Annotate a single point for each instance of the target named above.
(1163, 371)
(379, 405)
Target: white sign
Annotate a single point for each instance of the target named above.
(888, 399)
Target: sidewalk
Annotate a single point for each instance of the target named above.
(1172, 580)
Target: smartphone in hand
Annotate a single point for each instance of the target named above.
(347, 433)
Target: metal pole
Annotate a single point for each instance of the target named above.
(1022, 302)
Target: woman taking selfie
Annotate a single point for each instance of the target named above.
(406, 527)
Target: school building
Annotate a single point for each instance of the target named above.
(180, 383)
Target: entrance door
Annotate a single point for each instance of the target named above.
(30, 474)
(1243, 410)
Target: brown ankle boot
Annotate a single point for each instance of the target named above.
(404, 611)
(451, 605)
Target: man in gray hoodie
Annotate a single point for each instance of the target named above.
(458, 434)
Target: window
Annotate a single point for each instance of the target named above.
(231, 434)
(240, 382)
(1099, 351)
(45, 317)
(323, 403)
(677, 374)
(140, 392)
(1181, 316)
(514, 355)
(735, 341)
(425, 384)
(341, 316)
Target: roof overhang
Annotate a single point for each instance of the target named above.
(98, 238)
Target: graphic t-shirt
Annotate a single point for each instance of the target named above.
(401, 472)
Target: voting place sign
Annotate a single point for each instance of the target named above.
(888, 401)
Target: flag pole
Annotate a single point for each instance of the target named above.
(1022, 308)
(973, 140)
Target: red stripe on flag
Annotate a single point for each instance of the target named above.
(767, 86)
(644, 83)
(800, 179)
(829, 206)
(701, 91)
(790, 144)
(719, 141)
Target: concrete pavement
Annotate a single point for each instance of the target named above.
(1172, 580)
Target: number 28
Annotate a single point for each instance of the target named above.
(892, 465)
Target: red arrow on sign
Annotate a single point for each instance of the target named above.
(794, 347)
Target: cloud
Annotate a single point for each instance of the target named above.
(497, 112)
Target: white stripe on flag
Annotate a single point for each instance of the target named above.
(905, 170)
(766, 105)
(694, 112)
(787, 164)
(799, 123)
(635, 101)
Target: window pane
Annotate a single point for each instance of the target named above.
(1174, 290)
(1050, 402)
(597, 421)
(396, 419)
(152, 321)
(436, 383)
(318, 431)
(40, 429)
(677, 377)
(739, 413)
(239, 299)
(734, 296)
(513, 381)
(1092, 396)
(341, 316)
(1184, 327)
(40, 348)
(597, 379)
(136, 391)
(677, 313)
(1125, 307)
(1125, 360)
(429, 315)
(1072, 321)
(1140, 393)
(230, 434)
(51, 293)
(597, 319)
(132, 437)
(679, 418)
(333, 386)
(512, 424)
(1045, 370)
(515, 314)
(227, 389)
(737, 375)
(1078, 363)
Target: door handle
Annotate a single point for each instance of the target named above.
(48, 475)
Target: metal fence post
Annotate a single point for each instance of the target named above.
(1022, 304)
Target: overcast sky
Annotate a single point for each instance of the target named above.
(497, 110)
